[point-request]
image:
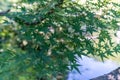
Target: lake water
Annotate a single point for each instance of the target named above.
(91, 68)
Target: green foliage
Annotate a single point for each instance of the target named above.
(44, 37)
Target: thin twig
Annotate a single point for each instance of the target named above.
(2, 13)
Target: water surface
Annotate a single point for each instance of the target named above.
(91, 68)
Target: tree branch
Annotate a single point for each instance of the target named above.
(113, 75)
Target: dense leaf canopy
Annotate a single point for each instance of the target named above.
(44, 37)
